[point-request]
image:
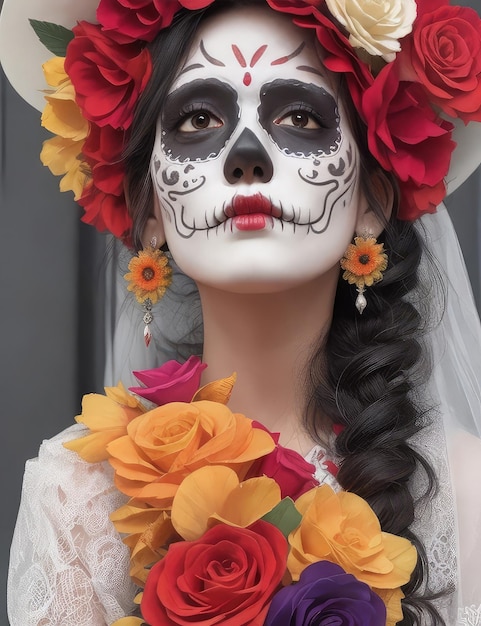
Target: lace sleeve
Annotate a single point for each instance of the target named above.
(68, 566)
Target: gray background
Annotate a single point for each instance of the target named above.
(51, 291)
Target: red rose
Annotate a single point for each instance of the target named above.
(136, 19)
(172, 382)
(407, 137)
(106, 212)
(227, 577)
(288, 468)
(295, 7)
(445, 52)
(103, 152)
(108, 76)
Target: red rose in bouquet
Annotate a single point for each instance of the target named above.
(227, 577)
(108, 77)
(445, 52)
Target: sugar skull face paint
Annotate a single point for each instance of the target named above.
(254, 164)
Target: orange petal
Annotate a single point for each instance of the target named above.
(93, 448)
(249, 501)
(196, 499)
(392, 599)
(217, 390)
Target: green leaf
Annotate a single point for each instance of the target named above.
(284, 516)
(54, 37)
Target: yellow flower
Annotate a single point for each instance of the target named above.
(392, 599)
(149, 531)
(61, 156)
(197, 506)
(364, 262)
(342, 528)
(149, 275)
(62, 117)
(107, 418)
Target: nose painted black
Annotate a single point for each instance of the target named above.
(248, 160)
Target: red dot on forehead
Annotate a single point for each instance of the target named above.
(247, 79)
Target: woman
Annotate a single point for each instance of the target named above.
(257, 159)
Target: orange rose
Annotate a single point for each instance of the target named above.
(166, 444)
(342, 528)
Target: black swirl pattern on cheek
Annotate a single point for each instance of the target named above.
(337, 191)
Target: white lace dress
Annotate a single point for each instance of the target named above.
(69, 566)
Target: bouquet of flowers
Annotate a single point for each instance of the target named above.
(226, 526)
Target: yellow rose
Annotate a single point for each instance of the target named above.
(166, 444)
(342, 528)
(376, 26)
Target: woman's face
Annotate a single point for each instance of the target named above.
(254, 164)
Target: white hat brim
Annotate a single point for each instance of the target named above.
(21, 53)
(22, 56)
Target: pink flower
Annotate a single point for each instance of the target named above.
(172, 382)
(288, 468)
(108, 76)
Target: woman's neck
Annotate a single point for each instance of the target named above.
(268, 340)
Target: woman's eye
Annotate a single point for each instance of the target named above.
(200, 120)
(299, 119)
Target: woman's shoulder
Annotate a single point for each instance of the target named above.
(65, 546)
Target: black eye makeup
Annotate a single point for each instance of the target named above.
(301, 118)
(197, 119)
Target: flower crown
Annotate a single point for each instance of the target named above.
(408, 65)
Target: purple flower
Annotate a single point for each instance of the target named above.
(326, 596)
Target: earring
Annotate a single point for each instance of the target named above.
(149, 277)
(363, 264)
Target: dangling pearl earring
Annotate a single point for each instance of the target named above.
(363, 263)
(149, 277)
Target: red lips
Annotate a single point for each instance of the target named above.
(251, 212)
(249, 205)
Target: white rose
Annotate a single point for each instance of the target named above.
(375, 25)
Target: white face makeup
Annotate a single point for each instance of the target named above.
(254, 164)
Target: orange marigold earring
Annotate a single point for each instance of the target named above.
(363, 263)
(149, 277)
